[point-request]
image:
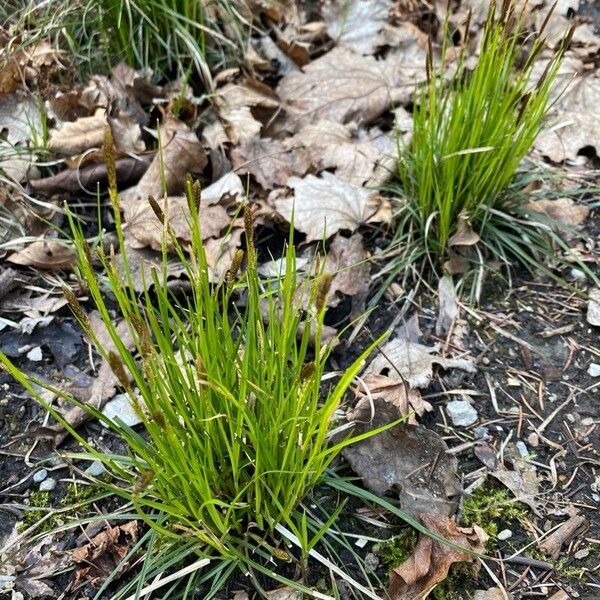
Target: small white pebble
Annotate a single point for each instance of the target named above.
(504, 534)
(522, 449)
(35, 354)
(120, 406)
(95, 469)
(40, 475)
(594, 370)
(583, 553)
(47, 485)
(461, 413)
(6, 581)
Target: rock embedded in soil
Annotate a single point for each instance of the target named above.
(504, 534)
(35, 354)
(522, 449)
(95, 469)
(594, 370)
(480, 432)
(461, 413)
(577, 275)
(40, 475)
(593, 310)
(120, 406)
(47, 485)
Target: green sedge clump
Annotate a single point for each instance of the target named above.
(228, 383)
(230, 396)
(471, 131)
(162, 35)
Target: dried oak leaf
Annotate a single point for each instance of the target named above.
(368, 158)
(575, 121)
(522, 480)
(346, 261)
(224, 191)
(408, 402)
(413, 363)
(269, 161)
(324, 205)
(460, 246)
(355, 24)
(19, 118)
(340, 86)
(127, 134)
(101, 556)
(47, 255)
(144, 228)
(235, 103)
(22, 68)
(74, 180)
(220, 252)
(343, 86)
(182, 153)
(563, 210)
(408, 460)
(430, 562)
(73, 137)
(19, 121)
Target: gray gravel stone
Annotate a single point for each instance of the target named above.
(47, 485)
(461, 413)
(120, 406)
(522, 449)
(480, 432)
(594, 370)
(40, 475)
(95, 469)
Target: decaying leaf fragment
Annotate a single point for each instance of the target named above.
(324, 205)
(409, 461)
(340, 86)
(430, 562)
(103, 387)
(47, 255)
(413, 363)
(269, 161)
(355, 24)
(235, 103)
(563, 210)
(144, 229)
(102, 554)
(408, 403)
(181, 153)
(347, 262)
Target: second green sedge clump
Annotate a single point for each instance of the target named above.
(471, 130)
(228, 385)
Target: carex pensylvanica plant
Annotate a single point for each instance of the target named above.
(163, 35)
(227, 381)
(472, 129)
